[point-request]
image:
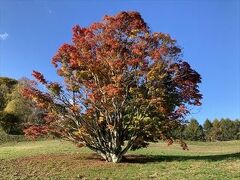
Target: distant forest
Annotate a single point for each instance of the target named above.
(223, 129)
(16, 113)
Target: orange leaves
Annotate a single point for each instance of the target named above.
(182, 109)
(81, 34)
(117, 64)
(96, 26)
(134, 62)
(158, 53)
(26, 92)
(40, 78)
(127, 21)
(165, 38)
(60, 72)
(163, 50)
(41, 99)
(89, 112)
(163, 110)
(112, 42)
(169, 141)
(90, 85)
(183, 144)
(76, 30)
(75, 108)
(66, 54)
(35, 131)
(107, 91)
(95, 97)
(137, 51)
(111, 90)
(50, 117)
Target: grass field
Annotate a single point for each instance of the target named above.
(54, 159)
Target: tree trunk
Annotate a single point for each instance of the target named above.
(111, 157)
(116, 153)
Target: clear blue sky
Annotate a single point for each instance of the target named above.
(209, 32)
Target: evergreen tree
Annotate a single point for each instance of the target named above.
(237, 124)
(193, 131)
(228, 129)
(207, 126)
(216, 131)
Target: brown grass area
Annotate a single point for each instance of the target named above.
(48, 165)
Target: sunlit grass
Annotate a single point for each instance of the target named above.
(62, 160)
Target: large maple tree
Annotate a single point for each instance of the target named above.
(124, 87)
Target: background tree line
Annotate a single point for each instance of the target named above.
(16, 112)
(223, 129)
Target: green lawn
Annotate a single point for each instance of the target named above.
(56, 159)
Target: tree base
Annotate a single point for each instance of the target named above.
(110, 157)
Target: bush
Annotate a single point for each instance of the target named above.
(10, 123)
(4, 137)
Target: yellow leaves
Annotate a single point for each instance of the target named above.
(134, 33)
(132, 36)
(147, 35)
(12, 106)
(82, 132)
(82, 74)
(157, 71)
(136, 93)
(131, 90)
(147, 119)
(137, 118)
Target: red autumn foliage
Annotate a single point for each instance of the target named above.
(36, 131)
(39, 77)
(123, 84)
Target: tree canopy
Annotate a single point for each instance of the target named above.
(124, 86)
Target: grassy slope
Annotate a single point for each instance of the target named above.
(59, 159)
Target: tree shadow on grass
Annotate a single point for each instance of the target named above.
(142, 159)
